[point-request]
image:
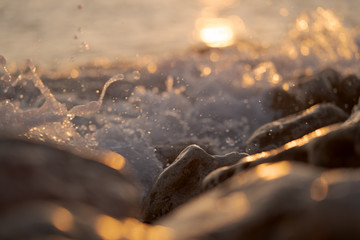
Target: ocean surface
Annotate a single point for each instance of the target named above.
(132, 79)
(59, 33)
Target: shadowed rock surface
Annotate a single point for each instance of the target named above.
(284, 130)
(47, 220)
(331, 147)
(182, 180)
(274, 201)
(32, 171)
(328, 86)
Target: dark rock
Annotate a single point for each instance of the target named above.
(284, 101)
(64, 221)
(32, 171)
(274, 201)
(182, 180)
(305, 92)
(330, 147)
(349, 92)
(167, 154)
(284, 130)
(327, 86)
(48, 220)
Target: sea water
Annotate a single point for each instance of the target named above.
(212, 94)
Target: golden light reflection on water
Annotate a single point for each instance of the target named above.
(152, 67)
(215, 32)
(321, 33)
(247, 80)
(271, 171)
(109, 228)
(62, 219)
(74, 73)
(218, 4)
(265, 71)
(205, 71)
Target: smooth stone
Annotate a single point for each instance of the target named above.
(167, 153)
(275, 134)
(47, 220)
(335, 146)
(280, 201)
(32, 171)
(182, 180)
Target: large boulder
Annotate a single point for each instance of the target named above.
(278, 201)
(32, 171)
(49, 220)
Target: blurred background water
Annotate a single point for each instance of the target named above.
(59, 33)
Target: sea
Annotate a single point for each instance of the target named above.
(130, 80)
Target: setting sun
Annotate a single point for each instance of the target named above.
(216, 32)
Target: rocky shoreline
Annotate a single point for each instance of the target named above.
(297, 178)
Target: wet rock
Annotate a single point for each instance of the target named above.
(274, 201)
(32, 171)
(327, 86)
(349, 92)
(58, 220)
(281, 131)
(305, 92)
(169, 152)
(182, 180)
(48, 220)
(334, 146)
(355, 115)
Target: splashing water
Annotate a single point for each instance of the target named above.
(212, 97)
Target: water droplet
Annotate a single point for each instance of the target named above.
(2, 61)
(136, 75)
(118, 77)
(92, 127)
(230, 142)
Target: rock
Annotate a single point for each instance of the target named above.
(32, 171)
(274, 201)
(327, 86)
(349, 92)
(277, 133)
(48, 220)
(60, 220)
(182, 180)
(305, 92)
(169, 152)
(334, 146)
